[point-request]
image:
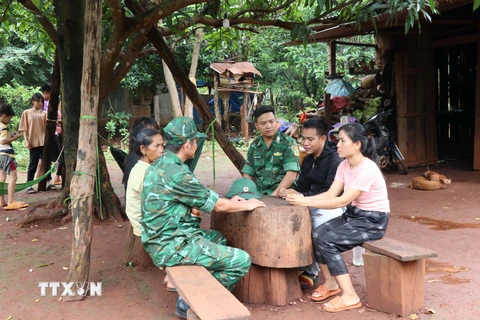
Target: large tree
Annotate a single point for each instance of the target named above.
(131, 24)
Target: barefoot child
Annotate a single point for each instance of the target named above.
(8, 165)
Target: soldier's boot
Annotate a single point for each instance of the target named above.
(181, 308)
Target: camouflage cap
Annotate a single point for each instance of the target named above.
(245, 188)
(181, 130)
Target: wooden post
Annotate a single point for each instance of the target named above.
(332, 58)
(328, 110)
(215, 99)
(245, 116)
(476, 149)
(226, 115)
(156, 108)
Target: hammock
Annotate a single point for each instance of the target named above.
(25, 185)
(120, 156)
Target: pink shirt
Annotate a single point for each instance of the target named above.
(368, 178)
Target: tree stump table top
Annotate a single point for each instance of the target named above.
(277, 236)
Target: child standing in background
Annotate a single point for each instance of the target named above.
(33, 124)
(8, 165)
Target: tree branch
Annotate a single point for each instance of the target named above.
(217, 23)
(261, 10)
(112, 79)
(157, 12)
(5, 11)
(246, 29)
(42, 19)
(147, 52)
(118, 14)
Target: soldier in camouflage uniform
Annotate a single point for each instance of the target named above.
(171, 231)
(273, 158)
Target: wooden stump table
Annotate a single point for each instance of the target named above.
(278, 239)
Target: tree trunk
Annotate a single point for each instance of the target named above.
(50, 146)
(172, 91)
(111, 206)
(135, 254)
(70, 53)
(181, 78)
(82, 186)
(193, 69)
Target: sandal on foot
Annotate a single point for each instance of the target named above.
(308, 280)
(171, 288)
(51, 187)
(30, 190)
(15, 206)
(339, 305)
(324, 293)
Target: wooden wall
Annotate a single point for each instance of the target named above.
(416, 101)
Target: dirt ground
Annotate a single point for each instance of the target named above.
(445, 221)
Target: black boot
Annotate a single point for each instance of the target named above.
(182, 308)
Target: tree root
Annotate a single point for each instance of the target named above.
(58, 202)
(33, 215)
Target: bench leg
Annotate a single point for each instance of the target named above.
(394, 286)
(269, 285)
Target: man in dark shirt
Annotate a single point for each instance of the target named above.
(316, 176)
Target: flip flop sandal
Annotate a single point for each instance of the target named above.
(339, 305)
(324, 293)
(15, 206)
(308, 280)
(171, 289)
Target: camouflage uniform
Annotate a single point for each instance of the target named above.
(170, 234)
(269, 165)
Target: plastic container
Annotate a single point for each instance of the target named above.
(358, 256)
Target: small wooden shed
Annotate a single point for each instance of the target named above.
(436, 80)
(234, 76)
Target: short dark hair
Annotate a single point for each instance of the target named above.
(37, 96)
(46, 87)
(261, 110)
(6, 109)
(176, 147)
(144, 137)
(316, 123)
(138, 125)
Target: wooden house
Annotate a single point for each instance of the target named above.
(435, 80)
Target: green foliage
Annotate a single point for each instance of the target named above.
(19, 24)
(22, 155)
(118, 123)
(18, 96)
(147, 72)
(23, 65)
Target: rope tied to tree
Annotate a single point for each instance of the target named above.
(89, 117)
(73, 199)
(81, 173)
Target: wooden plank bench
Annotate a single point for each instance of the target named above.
(208, 299)
(395, 275)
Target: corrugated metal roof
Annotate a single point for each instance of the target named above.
(234, 67)
(348, 29)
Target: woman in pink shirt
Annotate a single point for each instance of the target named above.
(359, 185)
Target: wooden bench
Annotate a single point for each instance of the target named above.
(395, 275)
(208, 299)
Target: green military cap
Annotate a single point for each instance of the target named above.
(181, 130)
(244, 188)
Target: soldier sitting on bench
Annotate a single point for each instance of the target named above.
(171, 231)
